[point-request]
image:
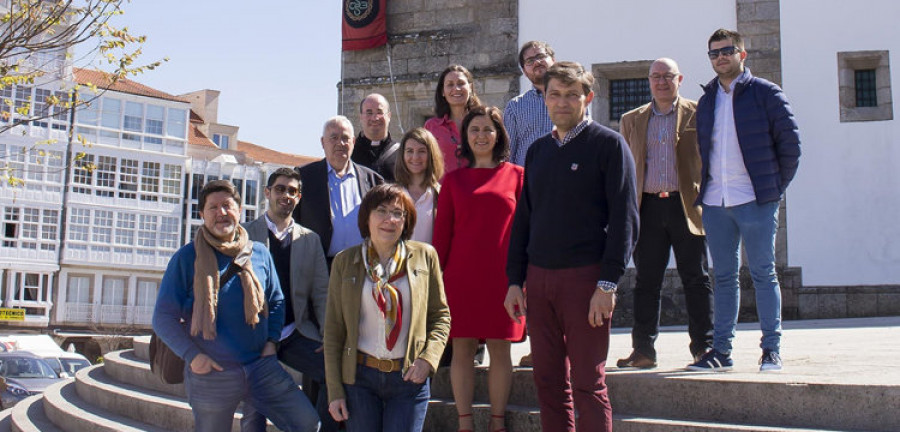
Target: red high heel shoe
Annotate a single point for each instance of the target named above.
(503, 424)
(462, 416)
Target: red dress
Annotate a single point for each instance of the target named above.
(471, 234)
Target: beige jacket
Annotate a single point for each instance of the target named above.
(687, 155)
(429, 324)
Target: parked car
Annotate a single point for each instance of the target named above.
(26, 374)
(43, 346)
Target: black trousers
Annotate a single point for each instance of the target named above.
(664, 227)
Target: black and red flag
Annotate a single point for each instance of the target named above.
(363, 25)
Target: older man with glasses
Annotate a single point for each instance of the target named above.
(750, 150)
(662, 136)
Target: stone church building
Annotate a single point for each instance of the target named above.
(838, 248)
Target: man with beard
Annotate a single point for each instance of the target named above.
(525, 116)
(374, 147)
(750, 149)
(300, 263)
(221, 309)
(334, 190)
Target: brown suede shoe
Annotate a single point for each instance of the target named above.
(636, 360)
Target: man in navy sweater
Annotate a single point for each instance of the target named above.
(750, 150)
(575, 227)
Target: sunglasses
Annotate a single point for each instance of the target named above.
(286, 190)
(725, 51)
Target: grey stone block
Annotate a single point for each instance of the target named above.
(862, 305)
(832, 305)
(889, 304)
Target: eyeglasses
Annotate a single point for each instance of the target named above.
(285, 190)
(725, 51)
(667, 77)
(530, 61)
(384, 213)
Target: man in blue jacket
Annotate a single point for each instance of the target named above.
(750, 150)
(226, 330)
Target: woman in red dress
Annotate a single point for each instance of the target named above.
(471, 235)
(453, 98)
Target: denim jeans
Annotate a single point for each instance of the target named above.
(383, 402)
(299, 353)
(754, 225)
(214, 397)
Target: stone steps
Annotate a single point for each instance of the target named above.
(720, 398)
(660, 400)
(28, 416)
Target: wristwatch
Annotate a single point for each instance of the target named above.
(607, 287)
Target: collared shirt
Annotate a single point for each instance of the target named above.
(661, 174)
(570, 135)
(424, 229)
(371, 322)
(729, 183)
(447, 135)
(526, 119)
(280, 235)
(369, 154)
(343, 193)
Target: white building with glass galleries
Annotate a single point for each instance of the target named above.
(128, 201)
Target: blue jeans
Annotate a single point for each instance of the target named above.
(299, 353)
(754, 225)
(383, 402)
(214, 397)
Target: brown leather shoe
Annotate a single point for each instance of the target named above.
(636, 360)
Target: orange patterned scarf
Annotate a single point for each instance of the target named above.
(387, 296)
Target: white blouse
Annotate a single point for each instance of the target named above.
(425, 208)
(371, 323)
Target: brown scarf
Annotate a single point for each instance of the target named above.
(206, 281)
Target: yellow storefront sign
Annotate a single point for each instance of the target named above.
(10, 314)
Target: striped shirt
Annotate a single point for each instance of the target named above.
(526, 119)
(661, 174)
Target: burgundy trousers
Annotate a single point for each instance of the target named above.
(564, 345)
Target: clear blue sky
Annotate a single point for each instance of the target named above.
(276, 63)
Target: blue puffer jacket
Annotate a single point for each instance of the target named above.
(766, 130)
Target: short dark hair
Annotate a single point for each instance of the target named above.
(536, 45)
(386, 193)
(284, 172)
(722, 34)
(217, 186)
(435, 169)
(441, 106)
(568, 73)
(501, 148)
(386, 104)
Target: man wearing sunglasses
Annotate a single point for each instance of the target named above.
(300, 264)
(750, 149)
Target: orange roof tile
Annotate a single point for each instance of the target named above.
(196, 137)
(264, 154)
(124, 85)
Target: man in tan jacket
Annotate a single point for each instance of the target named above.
(663, 139)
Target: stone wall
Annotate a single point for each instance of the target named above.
(424, 38)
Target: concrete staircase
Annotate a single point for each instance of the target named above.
(674, 401)
(123, 395)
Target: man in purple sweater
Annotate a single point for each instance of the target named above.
(575, 226)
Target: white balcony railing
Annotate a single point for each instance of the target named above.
(113, 314)
(79, 312)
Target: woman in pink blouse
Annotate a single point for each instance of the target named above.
(453, 98)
